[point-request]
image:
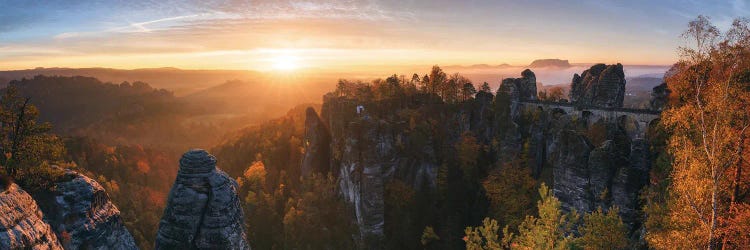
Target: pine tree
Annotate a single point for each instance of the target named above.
(603, 230)
(551, 230)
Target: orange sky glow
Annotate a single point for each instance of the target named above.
(341, 35)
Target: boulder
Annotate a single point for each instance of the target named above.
(203, 210)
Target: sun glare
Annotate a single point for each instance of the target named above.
(285, 62)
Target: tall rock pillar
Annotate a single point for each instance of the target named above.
(203, 210)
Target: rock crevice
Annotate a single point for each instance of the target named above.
(203, 210)
(599, 86)
(80, 208)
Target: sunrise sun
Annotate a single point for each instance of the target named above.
(285, 62)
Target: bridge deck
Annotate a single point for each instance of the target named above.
(585, 107)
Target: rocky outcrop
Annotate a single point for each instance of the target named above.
(203, 210)
(596, 161)
(659, 96)
(521, 89)
(369, 151)
(21, 224)
(367, 157)
(80, 212)
(600, 86)
(392, 141)
(317, 145)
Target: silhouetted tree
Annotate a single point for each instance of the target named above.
(467, 91)
(485, 88)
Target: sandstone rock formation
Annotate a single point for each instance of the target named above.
(365, 156)
(600, 86)
(203, 210)
(520, 89)
(587, 170)
(569, 154)
(317, 145)
(80, 209)
(21, 224)
(596, 161)
(659, 97)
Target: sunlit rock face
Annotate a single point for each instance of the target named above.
(600, 86)
(21, 224)
(203, 210)
(80, 212)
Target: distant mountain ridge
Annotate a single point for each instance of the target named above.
(179, 81)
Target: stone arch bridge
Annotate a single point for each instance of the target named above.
(639, 119)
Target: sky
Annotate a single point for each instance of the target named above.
(283, 35)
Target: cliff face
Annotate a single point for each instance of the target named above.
(595, 161)
(21, 224)
(81, 209)
(592, 159)
(368, 151)
(203, 210)
(601, 86)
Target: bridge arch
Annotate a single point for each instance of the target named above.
(636, 121)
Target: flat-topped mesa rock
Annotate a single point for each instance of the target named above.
(521, 89)
(544, 63)
(21, 224)
(600, 86)
(203, 210)
(81, 214)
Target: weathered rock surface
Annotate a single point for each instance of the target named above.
(520, 89)
(369, 151)
(569, 154)
(317, 145)
(203, 210)
(596, 161)
(367, 157)
(80, 212)
(601, 86)
(21, 224)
